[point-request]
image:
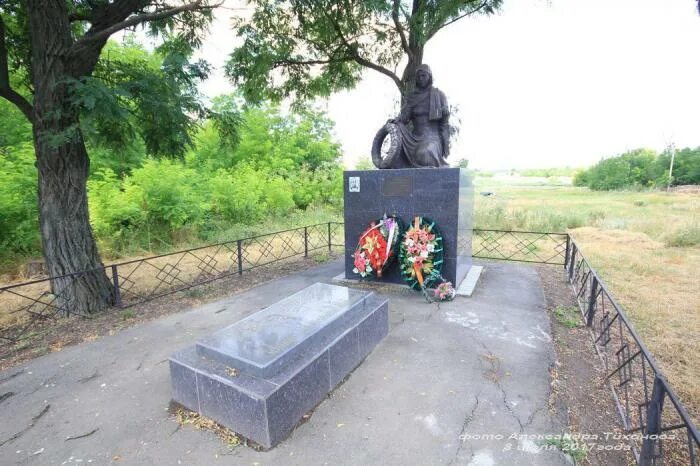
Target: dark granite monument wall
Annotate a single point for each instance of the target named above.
(445, 195)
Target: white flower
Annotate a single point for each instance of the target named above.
(430, 247)
(411, 259)
(424, 254)
(355, 270)
(369, 269)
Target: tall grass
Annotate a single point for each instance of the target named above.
(215, 232)
(672, 218)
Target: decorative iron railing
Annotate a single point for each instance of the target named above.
(657, 426)
(25, 306)
(520, 246)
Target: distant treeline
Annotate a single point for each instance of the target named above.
(548, 172)
(642, 168)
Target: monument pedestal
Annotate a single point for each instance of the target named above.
(260, 375)
(445, 195)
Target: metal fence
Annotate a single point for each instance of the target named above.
(658, 427)
(520, 246)
(26, 306)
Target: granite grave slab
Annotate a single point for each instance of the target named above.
(286, 357)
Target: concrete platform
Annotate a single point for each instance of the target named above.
(463, 382)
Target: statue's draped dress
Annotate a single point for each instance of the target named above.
(427, 144)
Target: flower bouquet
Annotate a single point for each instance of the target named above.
(377, 247)
(421, 258)
(444, 292)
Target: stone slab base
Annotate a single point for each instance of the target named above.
(265, 410)
(466, 288)
(468, 285)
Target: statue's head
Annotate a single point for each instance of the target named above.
(424, 77)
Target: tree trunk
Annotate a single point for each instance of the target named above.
(408, 77)
(62, 161)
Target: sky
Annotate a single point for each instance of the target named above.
(544, 83)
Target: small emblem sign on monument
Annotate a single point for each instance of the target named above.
(354, 184)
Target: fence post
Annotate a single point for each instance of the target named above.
(566, 254)
(240, 258)
(653, 427)
(572, 261)
(592, 299)
(117, 291)
(329, 236)
(306, 242)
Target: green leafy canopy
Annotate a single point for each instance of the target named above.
(120, 91)
(308, 48)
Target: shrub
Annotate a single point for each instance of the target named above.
(278, 196)
(684, 236)
(19, 225)
(237, 195)
(154, 203)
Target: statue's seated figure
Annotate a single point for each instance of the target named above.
(420, 134)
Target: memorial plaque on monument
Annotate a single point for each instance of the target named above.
(400, 186)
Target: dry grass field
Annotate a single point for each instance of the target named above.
(646, 245)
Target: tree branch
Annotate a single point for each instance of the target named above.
(114, 17)
(290, 62)
(104, 33)
(454, 20)
(6, 90)
(73, 17)
(352, 51)
(399, 27)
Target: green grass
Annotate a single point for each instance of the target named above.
(189, 237)
(320, 257)
(668, 217)
(569, 317)
(568, 446)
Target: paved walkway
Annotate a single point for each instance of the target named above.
(473, 367)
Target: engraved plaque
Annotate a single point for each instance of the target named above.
(397, 186)
(354, 184)
(261, 343)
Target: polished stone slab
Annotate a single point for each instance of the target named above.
(468, 285)
(267, 341)
(266, 408)
(445, 195)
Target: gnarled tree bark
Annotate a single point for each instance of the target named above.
(60, 54)
(63, 165)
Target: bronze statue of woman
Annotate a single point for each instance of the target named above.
(427, 143)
